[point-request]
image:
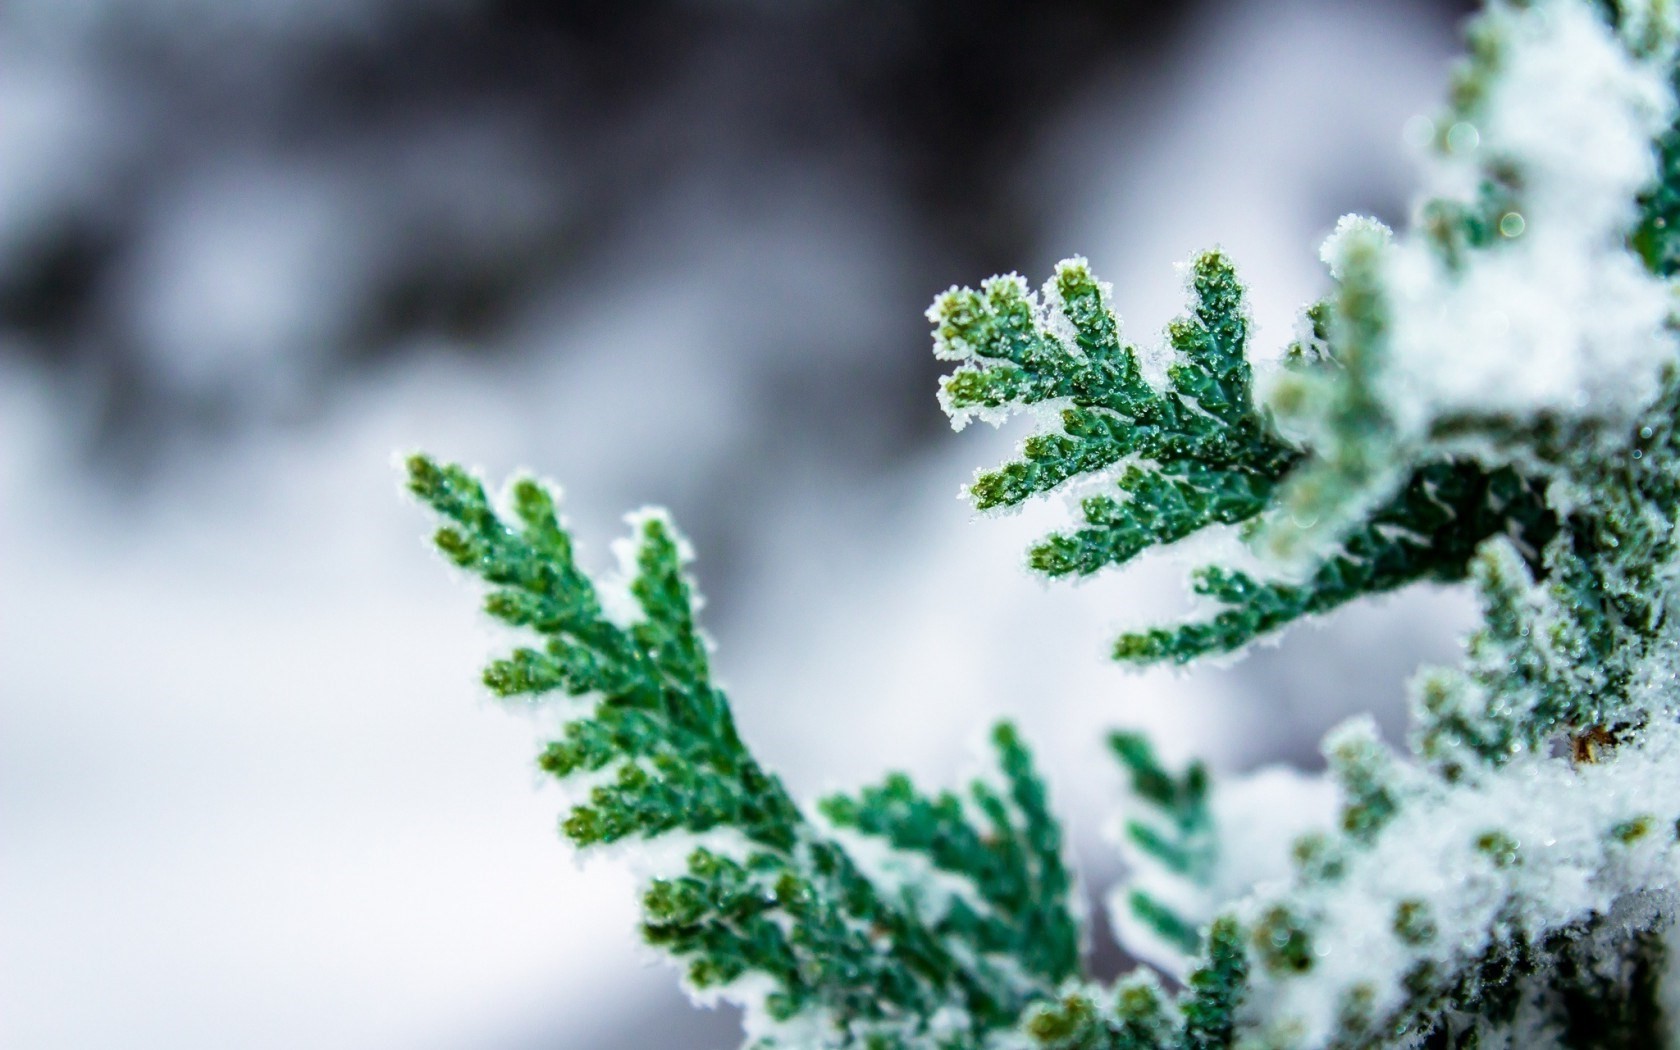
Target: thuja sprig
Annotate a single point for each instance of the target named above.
(662, 732)
(1503, 883)
(1191, 455)
(1196, 454)
(1004, 841)
(1175, 830)
(1428, 532)
(873, 956)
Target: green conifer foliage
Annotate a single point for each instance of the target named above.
(1489, 397)
(1197, 453)
(764, 892)
(1179, 834)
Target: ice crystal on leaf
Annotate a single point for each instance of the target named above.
(1489, 397)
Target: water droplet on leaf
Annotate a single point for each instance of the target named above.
(1463, 137)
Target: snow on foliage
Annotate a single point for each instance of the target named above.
(1559, 314)
(1489, 397)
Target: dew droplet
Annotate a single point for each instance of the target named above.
(1463, 137)
(1512, 224)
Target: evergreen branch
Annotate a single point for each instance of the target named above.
(1503, 884)
(661, 731)
(1010, 851)
(1174, 833)
(1564, 635)
(1143, 1017)
(862, 952)
(1335, 403)
(1199, 452)
(1429, 531)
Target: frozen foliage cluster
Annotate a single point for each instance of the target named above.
(1565, 295)
(1490, 397)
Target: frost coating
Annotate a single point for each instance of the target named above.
(1491, 397)
(1559, 315)
(1533, 847)
(1488, 396)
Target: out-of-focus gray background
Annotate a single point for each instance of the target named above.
(672, 252)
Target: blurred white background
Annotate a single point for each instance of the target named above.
(250, 792)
